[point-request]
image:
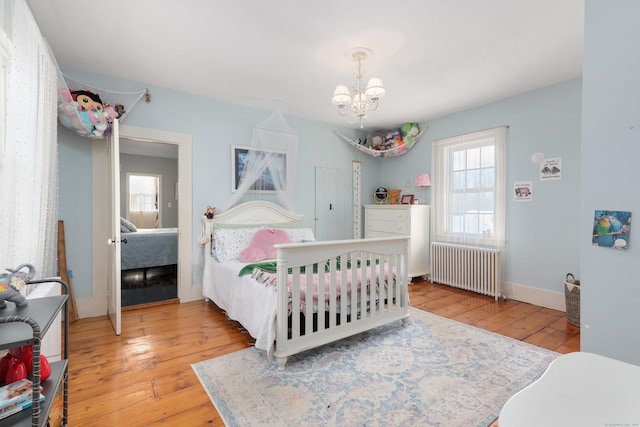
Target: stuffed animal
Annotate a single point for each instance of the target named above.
(409, 132)
(13, 282)
(210, 212)
(376, 140)
(394, 195)
(83, 112)
(261, 246)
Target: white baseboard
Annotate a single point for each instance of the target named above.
(536, 296)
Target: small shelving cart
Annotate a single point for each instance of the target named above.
(26, 325)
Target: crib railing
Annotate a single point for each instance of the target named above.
(331, 290)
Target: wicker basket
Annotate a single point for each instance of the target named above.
(572, 298)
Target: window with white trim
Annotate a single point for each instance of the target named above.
(143, 200)
(469, 188)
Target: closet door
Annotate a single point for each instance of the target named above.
(114, 250)
(329, 205)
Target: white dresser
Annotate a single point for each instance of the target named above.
(402, 220)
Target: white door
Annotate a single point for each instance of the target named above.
(114, 278)
(329, 204)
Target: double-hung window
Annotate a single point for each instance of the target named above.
(469, 188)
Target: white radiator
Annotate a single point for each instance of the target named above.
(466, 267)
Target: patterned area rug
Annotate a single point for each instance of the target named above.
(431, 372)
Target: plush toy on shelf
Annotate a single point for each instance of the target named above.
(13, 282)
(394, 195)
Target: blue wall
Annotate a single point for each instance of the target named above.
(542, 235)
(610, 151)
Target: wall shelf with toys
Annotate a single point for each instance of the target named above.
(387, 143)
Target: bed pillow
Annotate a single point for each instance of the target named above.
(229, 242)
(301, 235)
(261, 246)
(127, 226)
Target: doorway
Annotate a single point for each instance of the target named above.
(149, 271)
(146, 140)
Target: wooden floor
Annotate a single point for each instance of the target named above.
(144, 378)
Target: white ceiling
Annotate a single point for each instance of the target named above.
(434, 56)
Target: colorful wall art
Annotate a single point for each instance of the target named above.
(611, 229)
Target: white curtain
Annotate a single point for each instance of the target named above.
(268, 169)
(469, 184)
(28, 159)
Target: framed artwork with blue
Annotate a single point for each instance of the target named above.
(611, 229)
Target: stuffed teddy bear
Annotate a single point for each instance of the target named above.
(13, 282)
(394, 195)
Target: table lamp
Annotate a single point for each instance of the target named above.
(422, 180)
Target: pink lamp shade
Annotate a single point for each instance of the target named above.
(422, 180)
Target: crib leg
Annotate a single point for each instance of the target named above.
(405, 321)
(281, 361)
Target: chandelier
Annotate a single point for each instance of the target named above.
(365, 98)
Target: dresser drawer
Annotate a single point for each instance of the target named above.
(400, 221)
(388, 215)
(369, 234)
(395, 227)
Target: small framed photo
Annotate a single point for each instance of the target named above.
(407, 199)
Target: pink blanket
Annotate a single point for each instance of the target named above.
(271, 279)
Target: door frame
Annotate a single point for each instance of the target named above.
(186, 292)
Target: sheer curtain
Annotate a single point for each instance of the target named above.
(28, 160)
(469, 184)
(267, 170)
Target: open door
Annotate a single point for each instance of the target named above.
(114, 278)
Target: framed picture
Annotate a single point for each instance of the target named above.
(406, 199)
(611, 229)
(239, 159)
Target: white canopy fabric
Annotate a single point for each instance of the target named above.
(267, 169)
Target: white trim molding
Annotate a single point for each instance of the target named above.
(541, 297)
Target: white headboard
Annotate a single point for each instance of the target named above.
(257, 213)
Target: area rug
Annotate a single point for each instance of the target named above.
(431, 372)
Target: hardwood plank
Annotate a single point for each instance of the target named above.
(144, 377)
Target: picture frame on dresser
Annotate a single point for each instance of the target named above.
(406, 199)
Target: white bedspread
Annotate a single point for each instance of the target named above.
(245, 300)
